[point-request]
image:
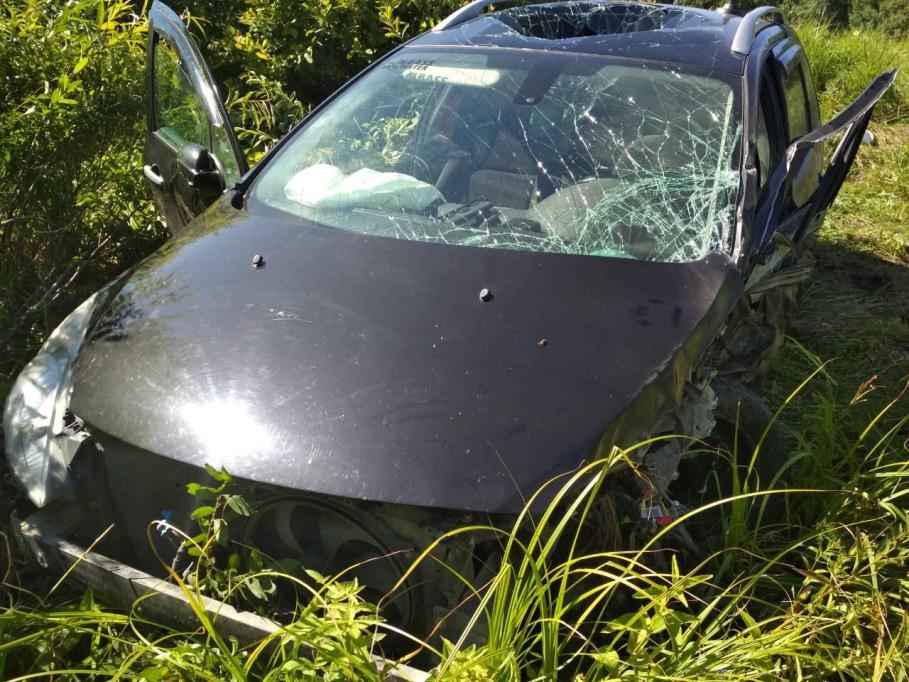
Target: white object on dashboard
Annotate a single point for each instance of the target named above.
(326, 186)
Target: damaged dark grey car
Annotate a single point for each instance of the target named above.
(513, 242)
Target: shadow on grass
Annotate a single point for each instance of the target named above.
(855, 312)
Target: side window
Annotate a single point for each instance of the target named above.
(179, 115)
(806, 177)
(769, 138)
(220, 147)
(811, 94)
(796, 102)
(764, 154)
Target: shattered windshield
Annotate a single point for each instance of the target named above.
(520, 149)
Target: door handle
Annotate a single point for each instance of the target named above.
(153, 175)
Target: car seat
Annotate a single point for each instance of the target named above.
(507, 177)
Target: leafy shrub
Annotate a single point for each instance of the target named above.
(73, 207)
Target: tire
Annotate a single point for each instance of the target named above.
(706, 475)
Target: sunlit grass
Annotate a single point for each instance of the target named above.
(843, 63)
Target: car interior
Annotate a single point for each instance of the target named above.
(569, 156)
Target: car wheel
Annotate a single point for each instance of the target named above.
(709, 472)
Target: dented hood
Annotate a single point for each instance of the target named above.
(370, 367)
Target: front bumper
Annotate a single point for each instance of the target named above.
(41, 537)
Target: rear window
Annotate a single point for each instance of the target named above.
(521, 150)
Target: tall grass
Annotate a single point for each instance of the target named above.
(826, 599)
(843, 63)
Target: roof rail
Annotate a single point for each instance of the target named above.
(472, 10)
(747, 30)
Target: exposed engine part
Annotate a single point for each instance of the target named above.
(655, 515)
(692, 421)
(658, 513)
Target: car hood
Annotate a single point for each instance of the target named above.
(370, 367)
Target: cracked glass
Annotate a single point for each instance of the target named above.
(519, 149)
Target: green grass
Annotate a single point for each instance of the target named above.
(823, 596)
(854, 311)
(844, 63)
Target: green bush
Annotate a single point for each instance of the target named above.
(73, 208)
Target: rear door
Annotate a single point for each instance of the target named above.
(191, 153)
(784, 182)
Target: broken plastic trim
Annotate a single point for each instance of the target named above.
(42, 436)
(125, 588)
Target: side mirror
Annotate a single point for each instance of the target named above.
(200, 170)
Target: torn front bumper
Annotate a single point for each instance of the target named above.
(41, 537)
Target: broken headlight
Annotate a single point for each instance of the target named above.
(41, 438)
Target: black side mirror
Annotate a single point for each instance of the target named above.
(200, 170)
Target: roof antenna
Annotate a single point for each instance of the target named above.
(732, 8)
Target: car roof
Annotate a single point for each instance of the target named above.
(667, 33)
